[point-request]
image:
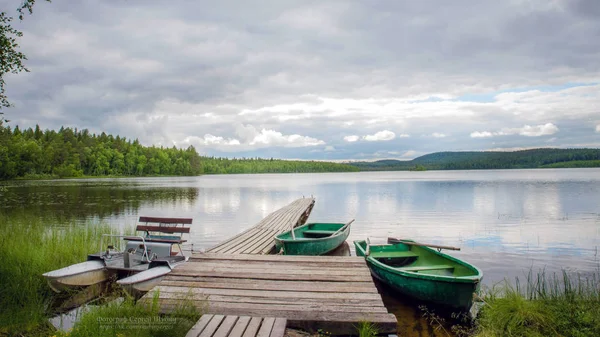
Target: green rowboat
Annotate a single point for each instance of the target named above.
(313, 238)
(422, 272)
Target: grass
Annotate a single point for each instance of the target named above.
(130, 319)
(367, 329)
(546, 305)
(29, 247)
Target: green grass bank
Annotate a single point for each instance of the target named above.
(29, 247)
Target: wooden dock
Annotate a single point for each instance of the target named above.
(259, 238)
(333, 293)
(237, 326)
(237, 279)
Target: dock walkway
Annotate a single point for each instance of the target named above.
(332, 293)
(236, 280)
(258, 239)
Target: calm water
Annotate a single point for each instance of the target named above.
(505, 221)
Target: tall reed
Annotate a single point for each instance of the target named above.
(29, 247)
(545, 305)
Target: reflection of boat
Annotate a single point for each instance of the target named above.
(342, 250)
(143, 264)
(421, 272)
(313, 238)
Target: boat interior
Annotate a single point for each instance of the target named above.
(314, 231)
(416, 259)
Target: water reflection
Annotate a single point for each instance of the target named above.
(505, 221)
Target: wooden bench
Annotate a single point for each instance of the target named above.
(390, 255)
(238, 326)
(424, 268)
(313, 233)
(164, 225)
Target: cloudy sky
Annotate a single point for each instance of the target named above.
(315, 79)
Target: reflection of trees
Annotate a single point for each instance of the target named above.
(81, 200)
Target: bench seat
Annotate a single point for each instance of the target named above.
(397, 254)
(317, 233)
(425, 268)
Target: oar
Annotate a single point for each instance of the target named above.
(368, 251)
(394, 240)
(293, 234)
(342, 228)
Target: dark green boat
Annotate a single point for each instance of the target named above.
(313, 238)
(422, 272)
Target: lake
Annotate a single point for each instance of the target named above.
(505, 221)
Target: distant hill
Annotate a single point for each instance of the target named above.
(536, 158)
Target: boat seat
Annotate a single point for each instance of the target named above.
(392, 254)
(313, 233)
(424, 268)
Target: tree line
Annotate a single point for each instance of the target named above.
(535, 158)
(68, 152)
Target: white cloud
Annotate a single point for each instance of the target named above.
(351, 139)
(438, 135)
(527, 130)
(275, 138)
(404, 135)
(536, 131)
(483, 134)
(215, 140)
(329, 148)
(384, 135)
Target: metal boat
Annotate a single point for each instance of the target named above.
(144, 262)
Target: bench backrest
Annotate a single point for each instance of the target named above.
(164, 225)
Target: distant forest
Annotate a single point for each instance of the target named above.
(34, 153)
(536, 158)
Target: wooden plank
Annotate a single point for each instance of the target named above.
(282, 266)
(237, 240)
(212, 326)
(268, 300)
(281, 277)
(218, 246)
(319, 307)
(262, 276)
(226, 326)
(223, 307)
(264, 246)
(282, 263)
(240, 326)
(264, 293)
(199, 326)
(164, 229)
(338, 287)
(278, 327)
(240, 249)
(252, 327)
(277, 258)
(241, 269)
(211, 307)
(186, 221)
(266, 327)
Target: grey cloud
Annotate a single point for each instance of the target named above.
(98, 65)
